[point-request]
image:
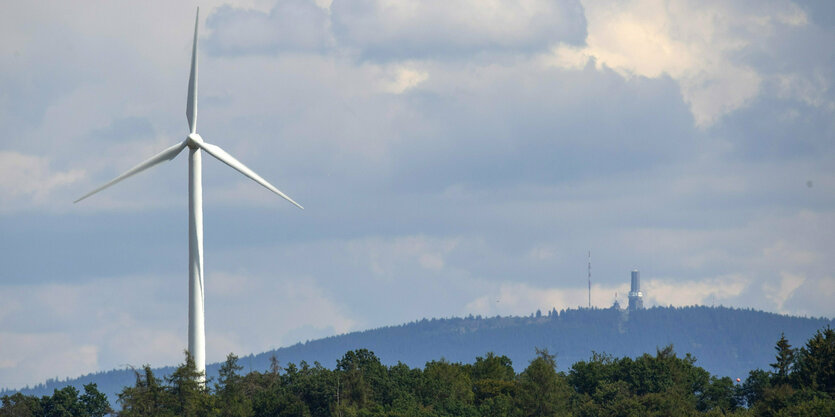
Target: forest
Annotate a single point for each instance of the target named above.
(799, 382)
(727, 342)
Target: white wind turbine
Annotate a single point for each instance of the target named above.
(196, 328)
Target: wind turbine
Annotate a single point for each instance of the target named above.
(194, 143)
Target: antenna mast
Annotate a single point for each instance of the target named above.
(589, 279)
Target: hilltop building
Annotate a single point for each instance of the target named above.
(636, 297)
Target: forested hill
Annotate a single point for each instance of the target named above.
(725, 341)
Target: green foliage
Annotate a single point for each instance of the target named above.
(784, 361)
(66, 402)
(19, 405)
(541, 390)
(94, 402)
(360, 385)
(362, 377)
(813, 407)
(719, 394)
(494, 384)
(146, 398)
(754, 387)
(447, 388)
(188, 393)
(584, 377)
(816, 362)
(232, 400)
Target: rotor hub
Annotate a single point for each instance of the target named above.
(194, 141)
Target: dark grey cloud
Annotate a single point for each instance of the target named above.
(776, 129)
(791, 117)
(545, 127)
(821, 12)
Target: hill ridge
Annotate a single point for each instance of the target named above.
(725, 341)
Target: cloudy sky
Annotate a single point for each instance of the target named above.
(456, 157)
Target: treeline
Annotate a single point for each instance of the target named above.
(801, 382)
(727, 341)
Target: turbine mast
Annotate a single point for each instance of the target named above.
(196, 315)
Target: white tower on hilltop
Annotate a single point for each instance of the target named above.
(636, 297)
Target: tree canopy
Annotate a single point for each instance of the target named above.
(800, 383)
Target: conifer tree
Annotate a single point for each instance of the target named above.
(188, 392)
(785, 359)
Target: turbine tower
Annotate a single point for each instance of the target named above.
(195, 144)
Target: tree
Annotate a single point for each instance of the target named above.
(493, 376)
(94, 402)
(584, 376)
(189, 395)
(447, 388)
(492, 366)
(19, 405)
(754, 387)
(785, 359)
(362, 376)
(812, 407)
(720, 394)
(542, 392)
(146, 398)
(62, 403)
(816, 362)
(315, 386)
(613, 398)
(232, 401)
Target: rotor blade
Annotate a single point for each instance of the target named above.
(230, 160)
(163, 156)
(191, 104)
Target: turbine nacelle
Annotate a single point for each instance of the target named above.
(194, 141)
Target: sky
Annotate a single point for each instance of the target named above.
(454, 158)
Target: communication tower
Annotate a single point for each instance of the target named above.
(636, 297)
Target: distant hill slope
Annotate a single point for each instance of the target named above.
(725, 341)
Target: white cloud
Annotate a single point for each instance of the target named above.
(695, 43)
(403, 78)
(784, 290)
(697, 292)
(32, 358)
(514, 298)
(385, 257)
(813, 89)
(788, 254)
(806, 295)
(106, 323)
(253, 313)
(27, 180)
(544, 252)
(522, 299)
